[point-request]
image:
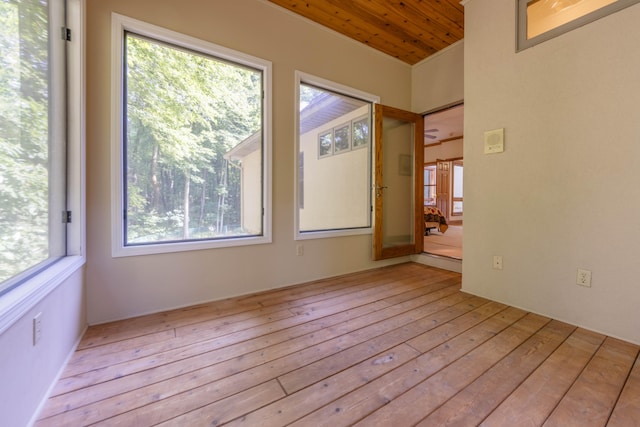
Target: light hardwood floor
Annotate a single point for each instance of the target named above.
(395, 346)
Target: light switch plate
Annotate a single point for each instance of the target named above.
(494, 141)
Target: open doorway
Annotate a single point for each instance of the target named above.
(443, 182)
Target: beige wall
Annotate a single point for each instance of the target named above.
(448, 150)
(564, 194)
(438, 80)
(124, 287)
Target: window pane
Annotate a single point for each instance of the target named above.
(325, 144)
(545, 15)
(430, 185)
(336, 188)
(193, 145)
(457, 180)
(542, 20)
(342, 138)
(361, 132)
(32, 125)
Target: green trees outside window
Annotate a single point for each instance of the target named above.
(32, 140)
(193, 122)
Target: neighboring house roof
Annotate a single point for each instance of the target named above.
(246, 147)
(325, 108)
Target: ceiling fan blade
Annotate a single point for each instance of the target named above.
(430, 136)
(431, 130)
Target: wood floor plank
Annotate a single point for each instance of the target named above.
(316, 371)
(590, 400)
(229, 326)
(90, 358)
(221, 411)
(378, 393)
(471, 405)
(350, 283)
(430, 339)
(96, 386)
(532, 402)
(627, 409)
(397, 345)
(115, 371)
(123, 392)
(421, 400)
(130, 328)
(296, 405)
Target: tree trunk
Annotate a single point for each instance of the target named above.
(155, 203)
(221, 200)
(187, 182)
(203, 197)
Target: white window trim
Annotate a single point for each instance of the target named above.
(15, 303)
(119, 25)
(301, 77)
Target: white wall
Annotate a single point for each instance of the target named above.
(336, 187)
(124, 287)
(564, 194)
(27, 371)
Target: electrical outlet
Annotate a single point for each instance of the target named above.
(497, 262)
(37, 328)
(300, 250)
(583, 278)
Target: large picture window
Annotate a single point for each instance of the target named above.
(334, 138)
(32, 137)
(193, 144)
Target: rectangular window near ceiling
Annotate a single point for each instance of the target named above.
(540, 20)
(325, 144)
(361, 134)
(341, 136)
(193, 145)
(32, 138)
(336, 188)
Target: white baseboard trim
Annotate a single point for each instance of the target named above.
(444, 263)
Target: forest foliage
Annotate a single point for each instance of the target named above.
(184, 112)
(24, 137)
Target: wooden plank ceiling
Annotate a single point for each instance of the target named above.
(410, 30)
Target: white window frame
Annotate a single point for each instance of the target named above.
(15, 303)
(120, 24)
(304, 78)
(522, 42)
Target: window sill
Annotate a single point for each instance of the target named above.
(308, 235)
(17, 302)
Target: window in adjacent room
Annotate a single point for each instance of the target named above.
(334, 139)
(33, 140)
(540, 20)
(430, 185)
(456, 184)
(193, 144)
